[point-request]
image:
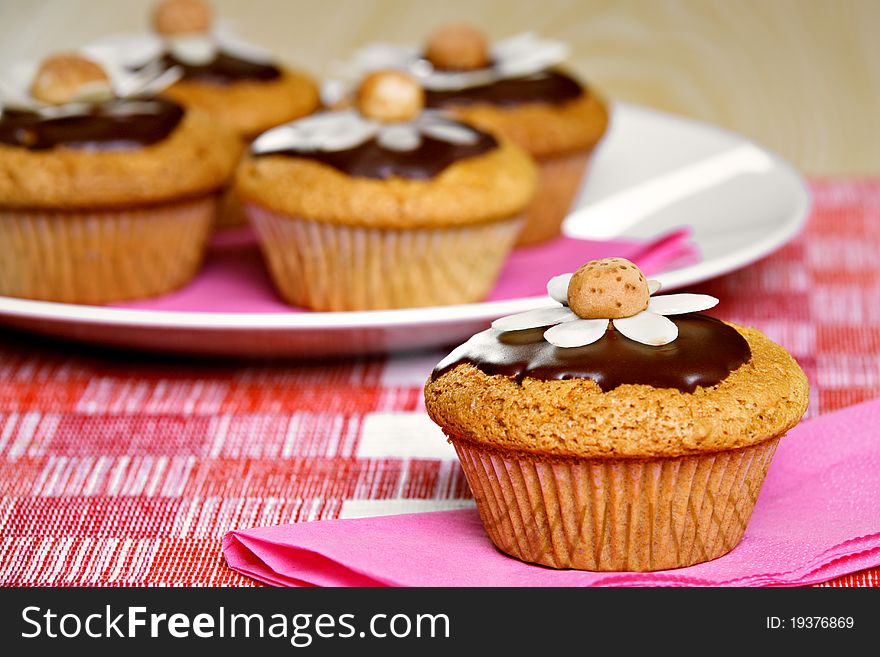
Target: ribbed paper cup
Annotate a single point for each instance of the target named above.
(329, 267)
(100, 256)
(559, 179)
(615, 515)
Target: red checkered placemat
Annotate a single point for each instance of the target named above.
(119, 469)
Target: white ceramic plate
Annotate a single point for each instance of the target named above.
(654, 172)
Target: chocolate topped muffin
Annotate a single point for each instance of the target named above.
(384, 205)
(235, 82)
(601, 434)
(106, 192)
(514, 88)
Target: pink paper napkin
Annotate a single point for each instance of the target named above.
(818, 517)
(234, 278)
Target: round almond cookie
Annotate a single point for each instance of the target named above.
(384, 205)
(514, 88)
(604, 442)
(107, 193)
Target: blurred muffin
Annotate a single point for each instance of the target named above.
(106, 192)
(385, 205)
(233, 81)
(513, 88)
(618, 438)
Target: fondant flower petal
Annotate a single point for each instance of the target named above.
(557, 288)
(347, 134)
(376, 56)
(676, 304)
(447, 131)
(146, 82)
(130, 50)
(402, 137)
(279, 139)
(648, 328)
(99, 91)
(196, 50)
(526, 54)
(329, 131)
(576, 333)
(534, 319)
(654, 286)
(454, 81)
(231, 43)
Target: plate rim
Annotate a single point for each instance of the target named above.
(770, 242)
(57, 312)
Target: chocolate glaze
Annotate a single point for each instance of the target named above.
(224, 69)
(371, 160)
(552, 87)
(115, 125)
(704, 354)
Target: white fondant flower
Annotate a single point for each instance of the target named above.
(650, 326)
(522, 55)
(344, 129)
(143, 48)
(123, 82)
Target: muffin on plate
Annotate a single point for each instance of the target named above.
(234, 81)
(616, 430)
(107, 193)
(384, 205)
(514, 88)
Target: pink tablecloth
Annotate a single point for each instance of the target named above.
(127, 470)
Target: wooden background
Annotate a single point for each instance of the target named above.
(799, 76)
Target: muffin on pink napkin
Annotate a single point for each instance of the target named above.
(616, 430)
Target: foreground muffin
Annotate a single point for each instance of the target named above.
(384, 206)
(103, 197)
(639, 443)
(513, 88)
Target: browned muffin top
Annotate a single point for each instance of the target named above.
(195, 158)
(575, 417)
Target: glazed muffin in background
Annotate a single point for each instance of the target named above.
(384, 205)
(601, 434)
(107, 193)
(235, 82)
(514, 88)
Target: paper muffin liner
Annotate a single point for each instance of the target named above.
(559, 179)
(100, 256)
(330, 267)
(615, 515)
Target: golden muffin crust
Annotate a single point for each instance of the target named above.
(760, 400)
(251, 106)
(493, 186)
(543, 129)
(198, 157)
